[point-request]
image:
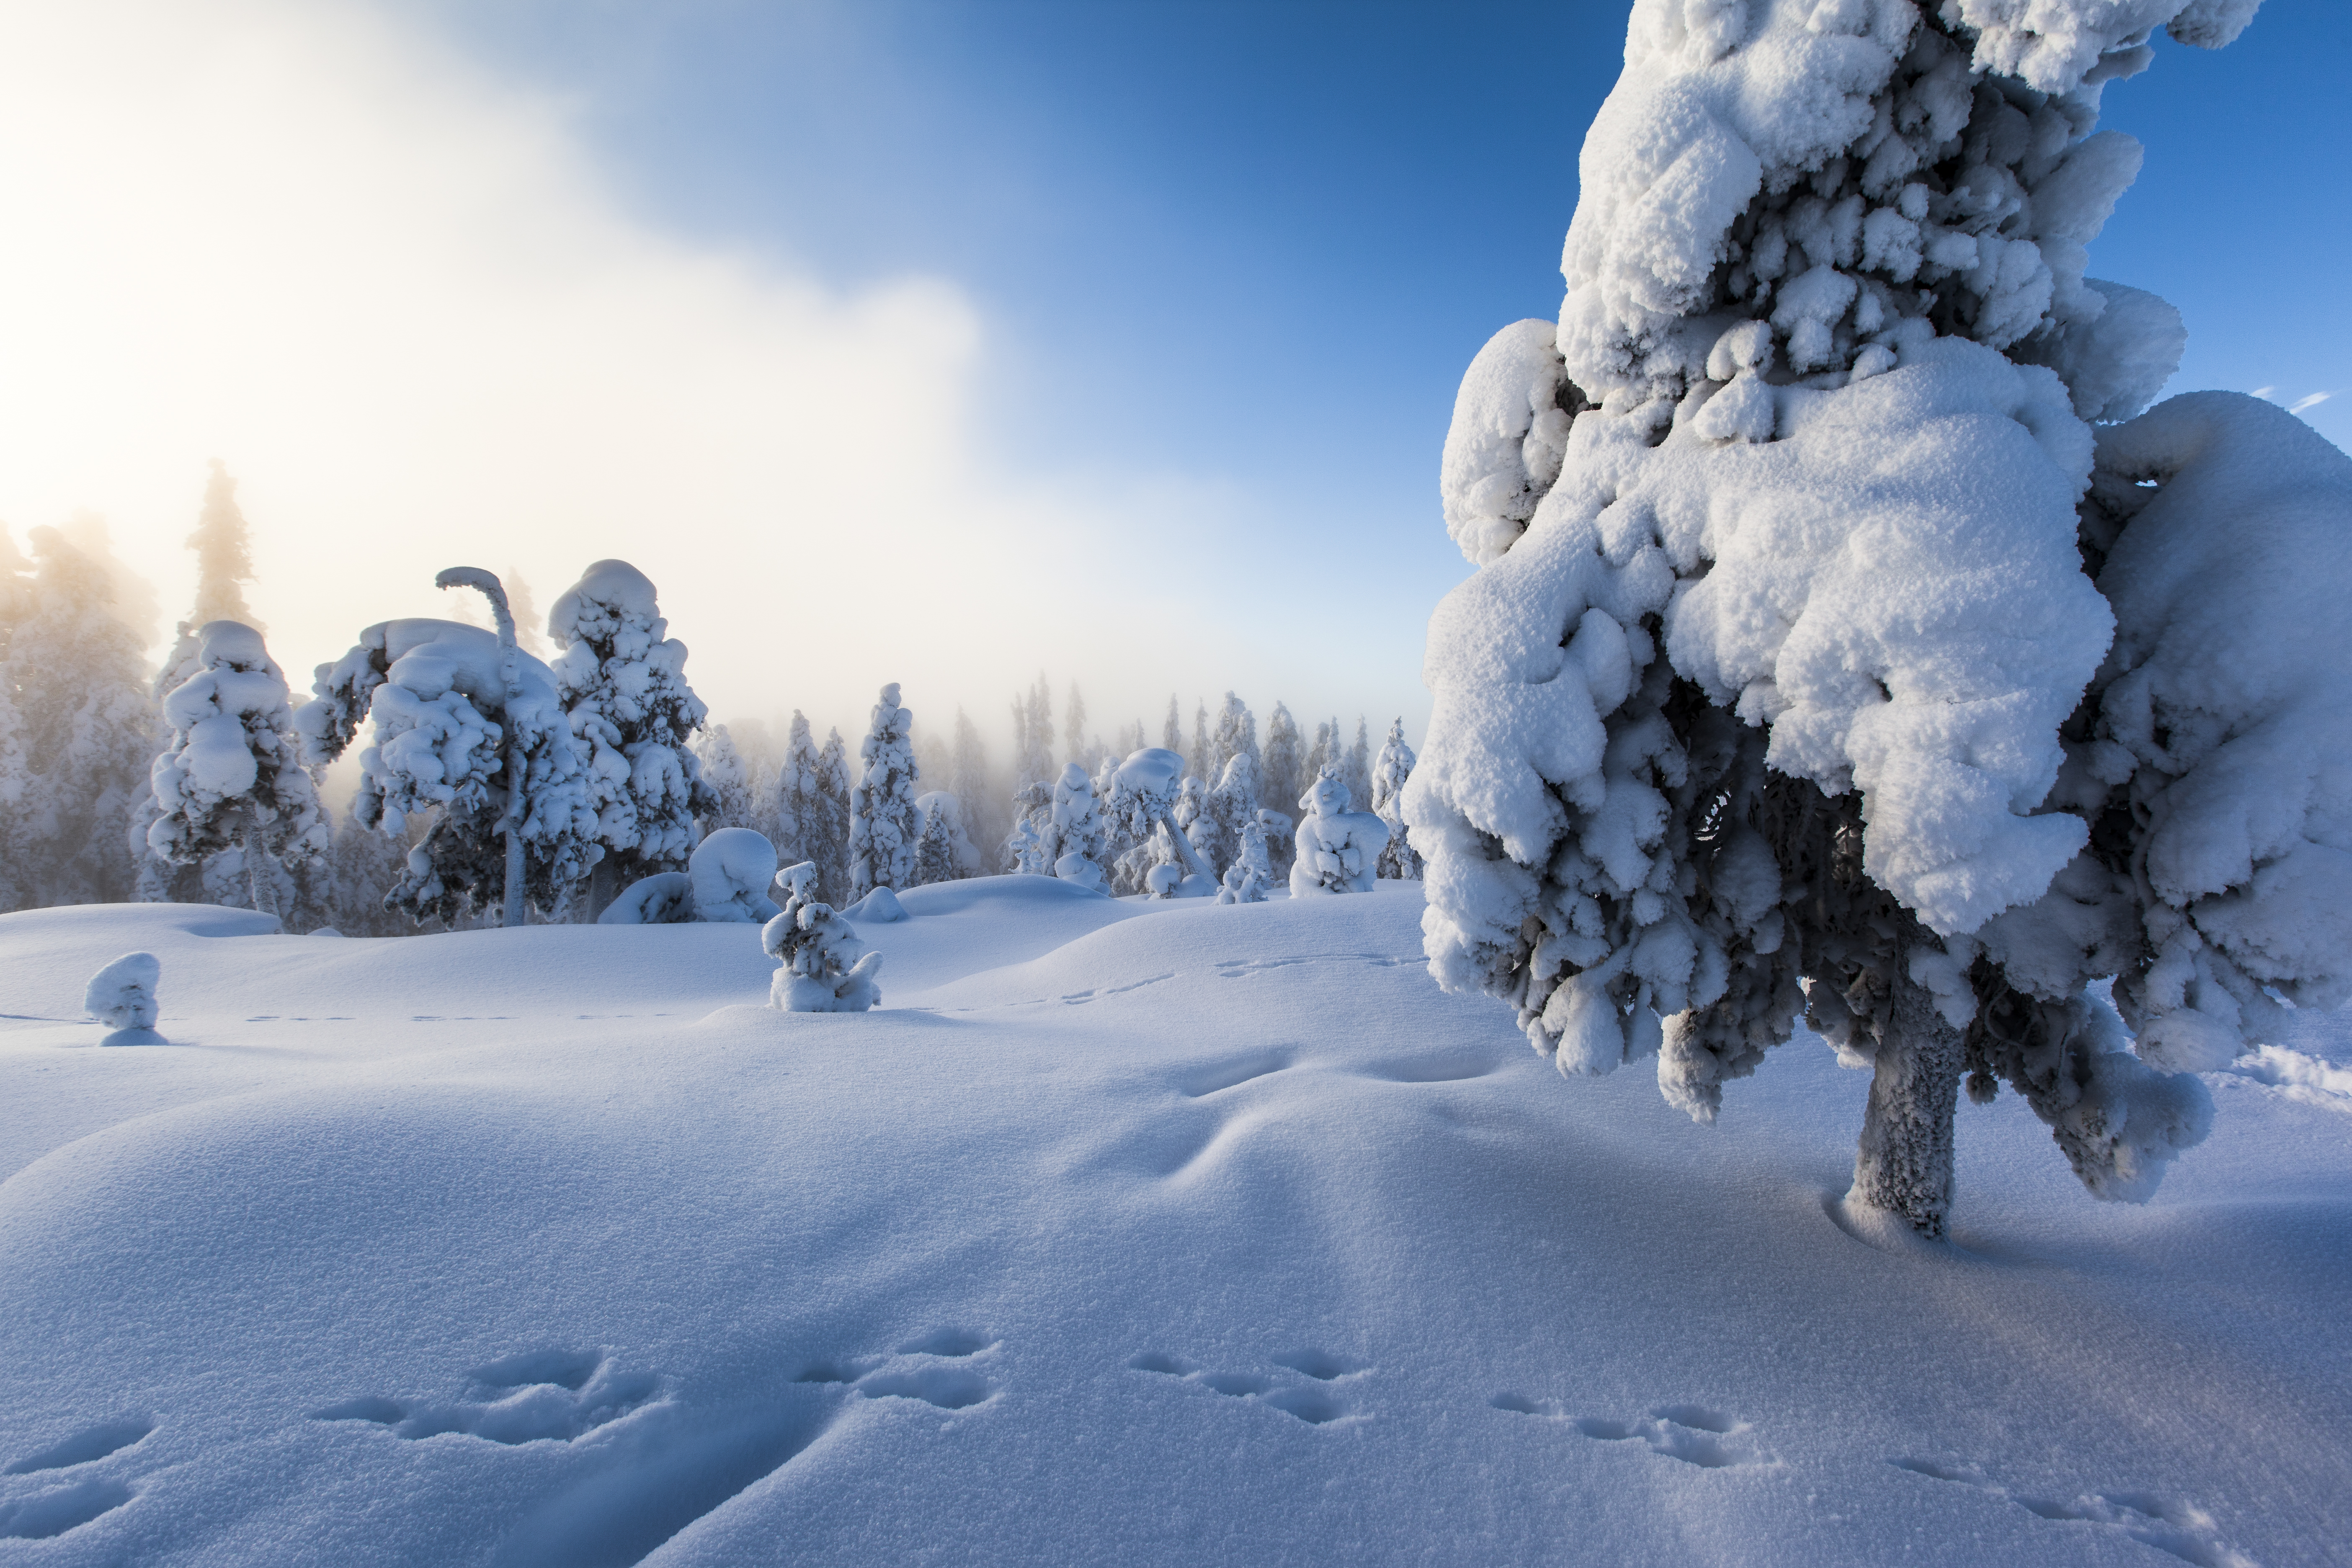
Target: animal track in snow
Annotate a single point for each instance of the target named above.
(538, 1395)
(85, 1446)
(49, 1513)
(915, 1372)
(1075, 997)
(1315, 1403)
(1691, 1433)
(2169, 1524)
(1235, 968)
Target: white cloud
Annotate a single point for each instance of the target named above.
(392, 294)
(2313, 401)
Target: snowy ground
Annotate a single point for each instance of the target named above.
(1203, 1234)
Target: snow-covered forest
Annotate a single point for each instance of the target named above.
(477, 1104)
(213, 779)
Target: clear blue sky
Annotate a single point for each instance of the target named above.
(1260, 241)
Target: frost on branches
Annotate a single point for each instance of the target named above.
(883, 822)
(444, 729)
(622, 680)
(230, 778)
(822, 967)
(1776, 670)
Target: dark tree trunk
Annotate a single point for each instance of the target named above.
(1904, 1165)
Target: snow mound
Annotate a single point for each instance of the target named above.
(880, 907)
(730, 871)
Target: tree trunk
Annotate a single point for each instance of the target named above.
(261, 888)
(603, 887)
(1903, 1165)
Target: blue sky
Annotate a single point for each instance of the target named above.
(1132, 329)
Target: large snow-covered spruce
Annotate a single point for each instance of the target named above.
(1783, 602)
(884, 823)
(623, 679)
(231, 777)
(445, 729)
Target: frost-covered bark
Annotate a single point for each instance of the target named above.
(1781, 609)
(622, 680)
(1390, 771)
(230, 778)
(883, 822)
(445, 731)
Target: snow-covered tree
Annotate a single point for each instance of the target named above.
(1235, 735)
(1795, 681)
(231, 778)
(1140, 807)
(622, 680)
(1322, 757)
(1074, 730)
(1251, 876)
(971, 781)
(469, 734)
(1394, 766)
(1226, 810)
(1077, 829)
(728, 780)
(1171, 732)
(883, 822)
(796, 805)
(956, 856)
(1356, 772)
(1029, 847)
(78, 729)
(935, 858)
(1032, 735)
(1339, 850)
(822, 967)
(1282, 777)
(1196, 760)
(836, 778)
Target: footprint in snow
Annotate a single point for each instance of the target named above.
(924, 1368)
(549, 1395)
(47, 1509)
(1691, 1433)
(1317, 1401)
(2169, 1524)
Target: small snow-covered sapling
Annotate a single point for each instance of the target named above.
(122, 994)
(1339, 850)
(822, 965)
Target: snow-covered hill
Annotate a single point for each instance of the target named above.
(1194, 1233)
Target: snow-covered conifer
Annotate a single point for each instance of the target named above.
(727, 779)
(1029, 847)
(1322, 757)
(883, 822)
(796, 806)
(836, 778)
(1235, 735)
(1032, 735)
(1077, 829)
(1196, 760)
(1398, 859)
(1251, 876)
(935, 858)
(1339, 850)
(79, 726)
(622, 681)
(1226, 810)
(1763, 677)
(974, 787)
(1172, 733)
(822, 966)
(1142, 807)
(459, 722)
(1356, 773)
(1074, 748)
(1281, 775)
(231, 777)
(955, 855)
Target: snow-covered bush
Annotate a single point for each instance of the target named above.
(822, 967)
(231, 778)
(1781, 609)
(1077, 829)
(445, 729)
(664, 899)
(883, 821)
(122, 994)
(1390, 772)
(1339, 850)
(1251, 876)
(622, 681)
(730, 871)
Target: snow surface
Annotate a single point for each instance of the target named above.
(1125, 1232)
